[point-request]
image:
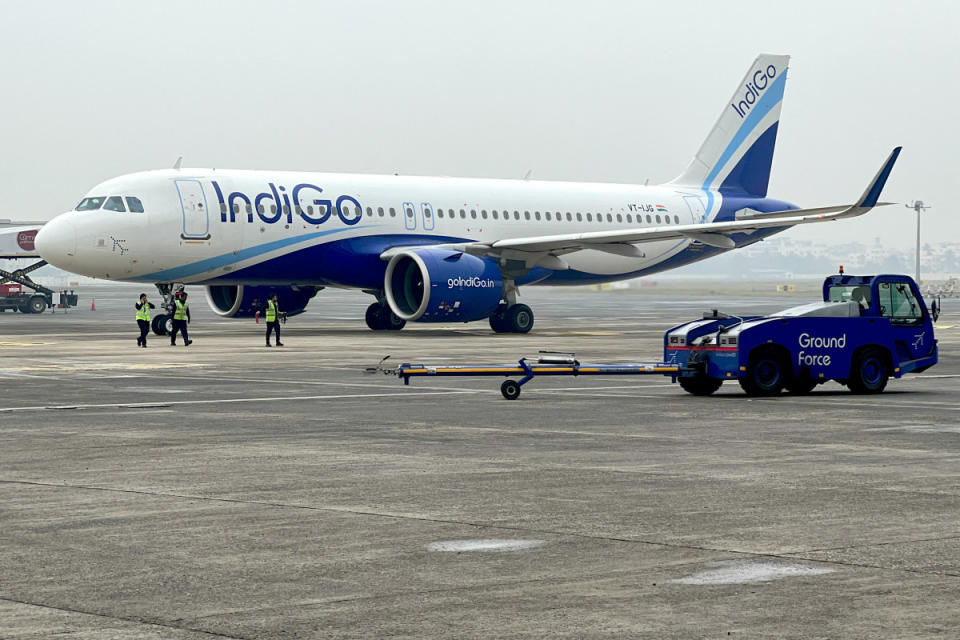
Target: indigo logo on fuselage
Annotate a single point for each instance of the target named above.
(759, 81)
(281, 207)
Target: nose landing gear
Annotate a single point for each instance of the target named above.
(162, 323)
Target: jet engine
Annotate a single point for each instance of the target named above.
(243, 301)
(439, 285)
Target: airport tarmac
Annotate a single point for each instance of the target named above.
(232, 491)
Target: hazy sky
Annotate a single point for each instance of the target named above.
(591, 90)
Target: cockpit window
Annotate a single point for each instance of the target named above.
(134, 205)
(114, 203)
(89, 204)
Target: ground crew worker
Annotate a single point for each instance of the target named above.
(143, 319)
(181, 316)
(273, 319)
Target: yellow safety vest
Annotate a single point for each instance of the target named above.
(143, 313)
(181, 311)
(271, 311)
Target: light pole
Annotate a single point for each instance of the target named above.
(918, 206)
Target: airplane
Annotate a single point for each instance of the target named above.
(434, 249)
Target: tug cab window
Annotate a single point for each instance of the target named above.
(114, 203)
(90, 204)
(898, 303)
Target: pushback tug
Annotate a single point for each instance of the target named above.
(864, 331)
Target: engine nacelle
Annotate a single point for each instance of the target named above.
(439, 285)
(243, 301)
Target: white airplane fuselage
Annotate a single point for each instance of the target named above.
(232, 227)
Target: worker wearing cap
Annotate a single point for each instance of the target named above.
(181, 316)
(273, 315)
(143, 319)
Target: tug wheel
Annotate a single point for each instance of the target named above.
(510, 389)
(700, 385)
(868, 373)
(766, 373)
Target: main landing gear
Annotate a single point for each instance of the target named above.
(381, 318)
(162, 323)
(517, 318)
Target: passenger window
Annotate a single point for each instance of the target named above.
(369, 211)
(579, 217)
(483, 214)
(393, 212)
(135, 205)
(619, 218)
(526, 215)
(408, 211)
(236, 207)
(569, 217)
(676, 219)
(629, 219)
(898, 303)
(609, 217)
(589, 217)
(89, 204)
(380, 211)
(114, 203)
(649, 220)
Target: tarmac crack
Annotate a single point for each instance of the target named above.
(129, 619)
(503, 527)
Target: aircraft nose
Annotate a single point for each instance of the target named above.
(56, 242)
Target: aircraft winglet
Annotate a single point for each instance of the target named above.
(872, 194)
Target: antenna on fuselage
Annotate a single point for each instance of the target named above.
(527, 175)
(646, 182)
(178, 163)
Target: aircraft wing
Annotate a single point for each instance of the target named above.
(16, 239)
(539, 249)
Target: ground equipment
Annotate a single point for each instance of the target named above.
(864, 331)
(20, 293)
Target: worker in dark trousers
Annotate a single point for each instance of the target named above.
(181, 316)
(273, 315)
(143, 319)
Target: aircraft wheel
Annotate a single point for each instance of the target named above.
(700, 385)
(498, 320)
(868, 373)
(766, 374)
(510, 389)
(374, 316)
(519, 318)
(382, 318)
(159, 324)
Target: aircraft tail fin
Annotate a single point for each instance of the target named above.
(737, 155)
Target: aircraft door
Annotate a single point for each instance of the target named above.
(193, 203)
(695, 205)
(427, 213)
(409, 216)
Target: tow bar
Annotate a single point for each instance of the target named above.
(547, 363)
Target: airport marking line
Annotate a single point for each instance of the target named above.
(400, 393)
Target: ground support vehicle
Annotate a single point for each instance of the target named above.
(20, 293)
(864, 331)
